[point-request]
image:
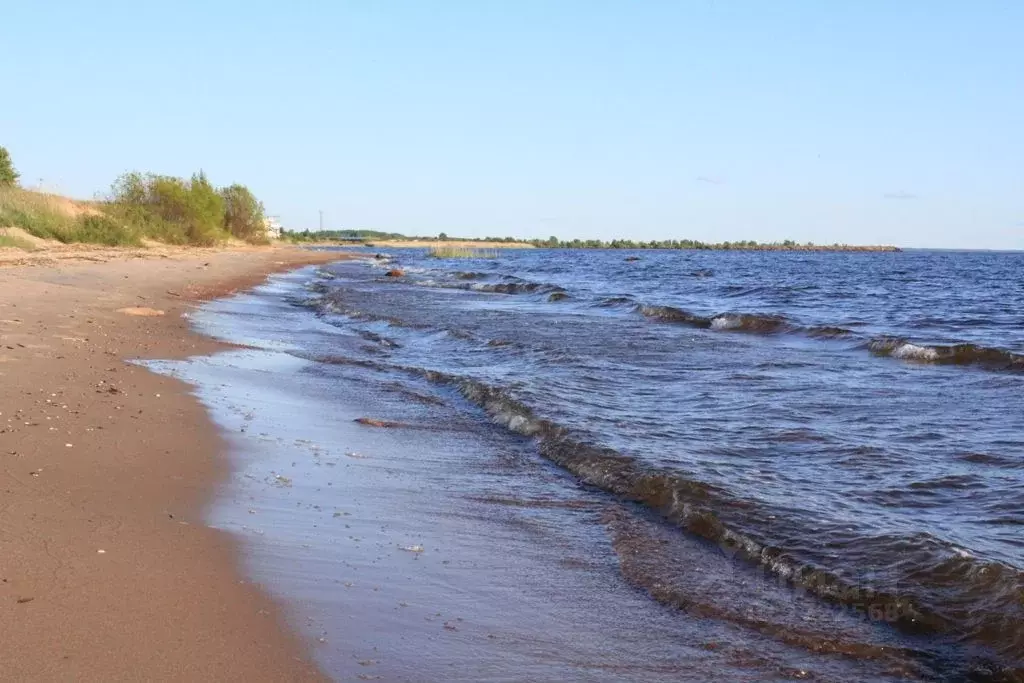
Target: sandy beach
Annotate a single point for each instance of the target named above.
(107, 571)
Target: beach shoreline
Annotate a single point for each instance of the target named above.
(107, 569)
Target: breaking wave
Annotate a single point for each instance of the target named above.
(746, 322)
(740, 322)
(954, 354)
(516, 288)
(927, 586)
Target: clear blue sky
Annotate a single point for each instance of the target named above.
(895, 121)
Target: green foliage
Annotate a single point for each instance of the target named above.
(743, 245)
(165, 208)
(243, 214)
(170, 209)
(340, 235)
(8, 176)
(34, 213)
(102, 229)
(554, 243)
(54, 218)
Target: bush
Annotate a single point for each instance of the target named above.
(8, 176)
(171, 209)
(102, 229)
(243, 214)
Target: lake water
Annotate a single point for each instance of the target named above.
(645, 465)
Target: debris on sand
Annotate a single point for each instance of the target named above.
(140, 311)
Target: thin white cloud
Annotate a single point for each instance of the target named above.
(899, 195)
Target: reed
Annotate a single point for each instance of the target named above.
(462, 252)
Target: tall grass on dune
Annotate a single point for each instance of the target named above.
(55, 218)
(14, 242)
(171, 210)
(462, 252)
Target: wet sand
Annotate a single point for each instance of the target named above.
(107, 571)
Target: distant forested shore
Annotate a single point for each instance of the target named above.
(377, 238)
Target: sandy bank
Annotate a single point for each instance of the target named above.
(106, 570)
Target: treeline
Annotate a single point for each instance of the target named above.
(742, 245)
(340, 235)
(139, 206)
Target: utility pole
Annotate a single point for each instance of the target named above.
(321, 220)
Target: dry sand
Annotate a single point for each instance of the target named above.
(107, 572)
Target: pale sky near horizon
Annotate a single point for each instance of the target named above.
(898, 122)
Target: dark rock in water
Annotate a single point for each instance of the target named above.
(632, 258)
(703, 272)
(395, 273)
(381, 257)
(557, 296)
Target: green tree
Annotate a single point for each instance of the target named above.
(243, 214)
(8, 176)
(442, 236)
(171, 209)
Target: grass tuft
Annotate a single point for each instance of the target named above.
(462, 252)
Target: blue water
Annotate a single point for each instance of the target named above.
(845, 425)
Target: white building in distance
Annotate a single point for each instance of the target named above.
(273, 227)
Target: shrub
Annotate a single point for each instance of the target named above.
(8, 176)
(102, 229)
(243, 214)
(171, 209)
